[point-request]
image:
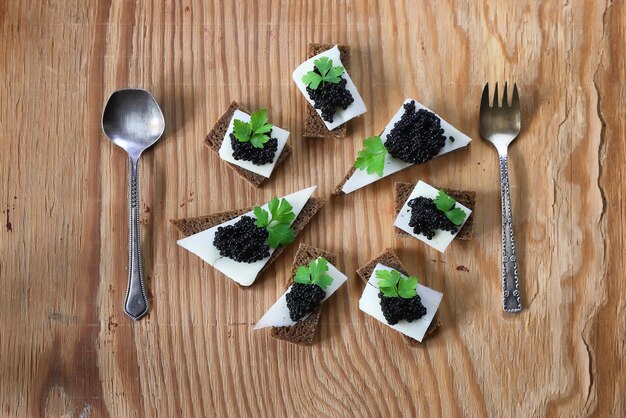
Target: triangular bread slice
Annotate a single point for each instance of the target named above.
(214, 139)
(467, 198)
(192, 226)
(302, 333)
(357, 179)
(390, 259)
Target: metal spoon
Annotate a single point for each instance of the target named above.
(133, 120)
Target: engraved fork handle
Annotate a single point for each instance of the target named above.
(511, 296)
(136, 303)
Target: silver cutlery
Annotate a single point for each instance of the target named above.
(500, 124)
(133, 120)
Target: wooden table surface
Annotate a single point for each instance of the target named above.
(66, 347)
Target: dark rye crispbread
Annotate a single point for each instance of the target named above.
(214, 141)
(337, 189)
(467, 198)
(314, 126)
(191, 226)
(390, 259)
(302, 332)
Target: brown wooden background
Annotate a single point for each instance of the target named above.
(66, 348)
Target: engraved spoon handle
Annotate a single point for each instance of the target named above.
(511, 296)
(136, 303)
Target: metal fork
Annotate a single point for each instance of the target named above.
(500, 124)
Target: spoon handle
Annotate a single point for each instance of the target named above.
(136, 303)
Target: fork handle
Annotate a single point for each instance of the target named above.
(136, 303)
(511, 296)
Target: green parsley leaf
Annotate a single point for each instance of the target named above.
(258, 140)
(456, 216)
(318, 269)
(262, 217)
(280, 234)
(273, 205)
(258, 119)
(324, 281)
(277, 221)
(372, 158)
(315, 274)
(388, 278)
(323, 64)
(444, 202)
(334, 75)
(264, 129)
(387, 282)
(392, 284)
(407, 287)
(302, 275)
(312, 79)
(390, 292)
(254, 131)
(283, 212)
(242, 130)
(327, 73)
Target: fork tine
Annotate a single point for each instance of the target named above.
(505, 96)
(515, 100)
(496, 102)
(484, 101)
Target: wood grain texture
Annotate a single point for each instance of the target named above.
(66, 348)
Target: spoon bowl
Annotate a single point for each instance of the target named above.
(133, 120)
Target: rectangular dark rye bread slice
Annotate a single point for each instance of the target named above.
(467, 198)
(390, 259)
(314, 126)
(214, 139)
(302, 332)
(191, 226)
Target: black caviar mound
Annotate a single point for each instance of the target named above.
(243, 241)
(248, 152)
(395, 309)
(417, 137)
(329, 96)
(303, 299)
(426, 218)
